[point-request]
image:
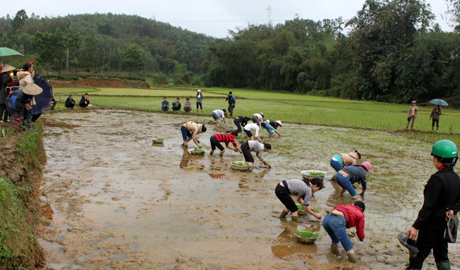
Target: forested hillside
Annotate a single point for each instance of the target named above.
(390, 51)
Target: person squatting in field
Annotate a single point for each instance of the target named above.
(338, 220)
(258, 148)
(216, 139)
(304, 190)
(350, 175)
(190, 130)
(339, 161)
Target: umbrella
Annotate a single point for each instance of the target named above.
(7, 54)
(439, 102)
(42, 100)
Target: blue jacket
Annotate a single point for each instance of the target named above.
(231, 100)
(16, 102)
(165, 103)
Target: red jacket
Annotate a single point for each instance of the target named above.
(226, 138)
(354, 217)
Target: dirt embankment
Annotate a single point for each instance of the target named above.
(21, 158)
(99, 82)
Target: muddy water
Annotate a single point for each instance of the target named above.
(118, 202)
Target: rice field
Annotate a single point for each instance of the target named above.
(288, 107)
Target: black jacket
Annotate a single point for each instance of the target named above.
(4, 80)
(243, 120)
(84, 102)
(69, 103)
(442, 193)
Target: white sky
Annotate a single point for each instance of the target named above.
(210, 17)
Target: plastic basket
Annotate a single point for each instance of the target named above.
(306, 174)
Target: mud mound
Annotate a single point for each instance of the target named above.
(99, 82)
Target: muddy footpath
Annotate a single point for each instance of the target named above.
(113, 200)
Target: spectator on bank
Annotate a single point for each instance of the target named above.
(412, 114)
(199, 100)
(176, 105)
(84, 101)
(69, 102)
(5, 80)
(231, 102)
(435, 113)
(188, 105)
(165, 104)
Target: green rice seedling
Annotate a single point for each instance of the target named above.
(196, 149)
(241, 164)
(306, 234)
(317, 173)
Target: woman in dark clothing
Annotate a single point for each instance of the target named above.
(5, 80)
(435, 113)
(240, 122)
(199, 100)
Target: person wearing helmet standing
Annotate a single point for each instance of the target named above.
(441, 200)
(350, 175)
(338, 220)
(339, 161)
(412, 114)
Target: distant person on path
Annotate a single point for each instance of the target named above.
(190, 130)
(5, 80)
(216, 139)
(69, 102)
(304, 190)
(270, 129)
(435, 113)
(350, 175)
(257, 118)
(176, 105)
(165, 104)
(84, 101)
(252, 130)
(441, 200)
(338, 220)
(241, 122)
(199, 100)
(258, 148)
(231, 102)
(219, 115)
(339, 161)
(187, 105)
(412, 114)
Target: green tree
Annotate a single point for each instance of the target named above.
(133, 58)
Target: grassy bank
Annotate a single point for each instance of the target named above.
(22, 157)
(296, 108)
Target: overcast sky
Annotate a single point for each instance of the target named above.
(210, 17)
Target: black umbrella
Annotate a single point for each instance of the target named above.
(43, 101)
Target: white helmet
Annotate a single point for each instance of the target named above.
(262, 114)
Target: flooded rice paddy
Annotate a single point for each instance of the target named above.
(114, 200)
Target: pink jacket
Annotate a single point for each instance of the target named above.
(354, 217)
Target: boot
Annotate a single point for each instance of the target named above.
(283, 213)
(295, 219)
(352, 257)
(29, 125)
(443, 265)
(335, 248)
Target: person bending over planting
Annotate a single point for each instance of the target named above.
(190, 130)
(252, 130)
(350, 175)
(241, 122)
(304, 190)
(270, 129)
(226, 138)
(258, 148)
(338, 220)
(218, 115)
(441, 200)
(339, 161)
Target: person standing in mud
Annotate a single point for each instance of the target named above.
(413, 109)
(241, 122)
(84, 101)
(339, 161)
(304, 190)
(216, 139)
(441, 200)
(258, 148)
(434, 116)
(231, 102)
(190, 130)
(338, 220)
(199, 100)
(350, 175)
